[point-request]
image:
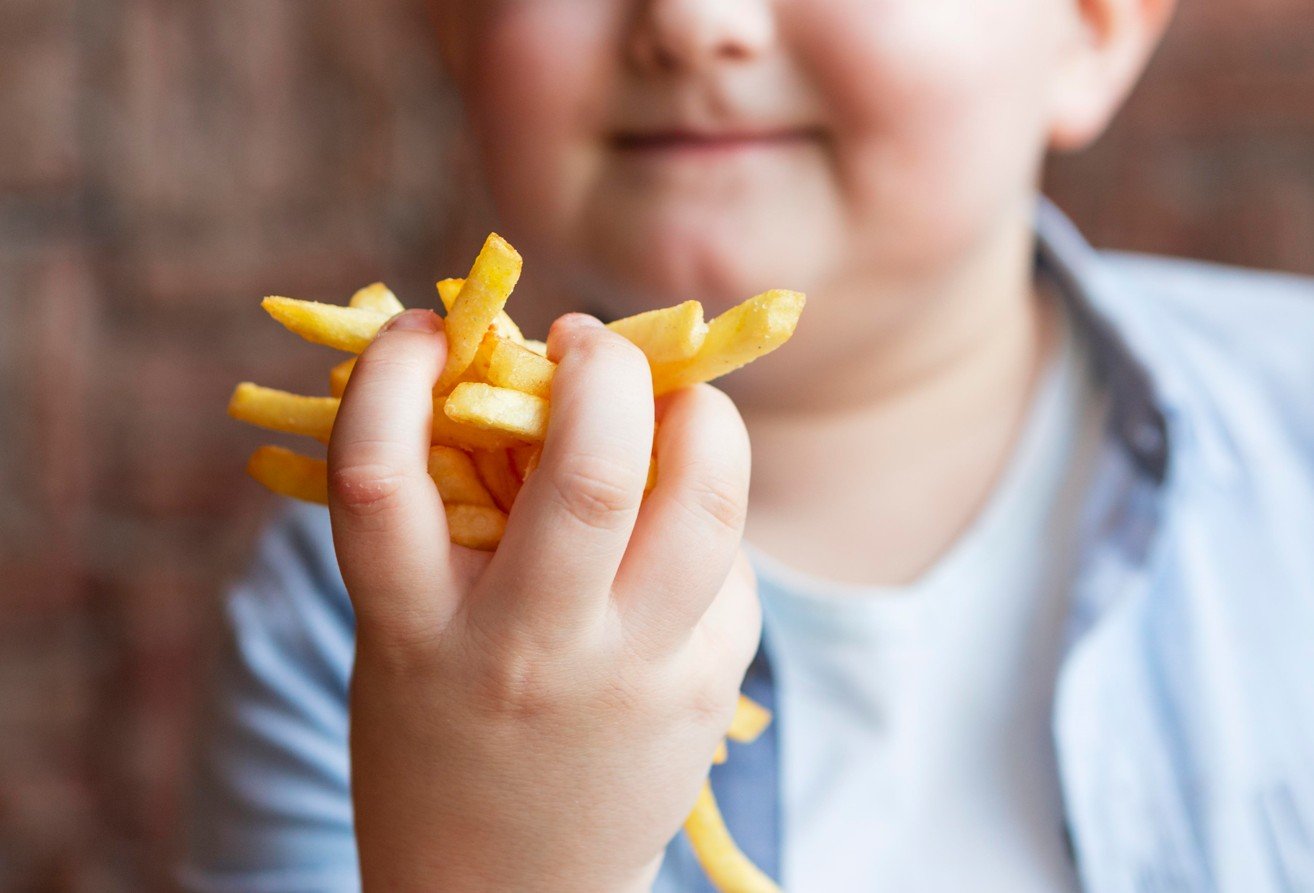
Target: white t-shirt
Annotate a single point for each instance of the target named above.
(915, 742)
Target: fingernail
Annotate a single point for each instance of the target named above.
(412, 321)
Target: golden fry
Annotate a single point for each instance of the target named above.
(524, 459)
(499, 476)
(281, 411)
(721, 755)
(729, 870)
(494, 274)
(345, 328)
(668, 335)
(538, 347)
(475, 526)
(457, 478)
(521, 416)
(751, 720)
(339, 375)
(448, 289)
(377, 297)
(517, 367)
(734, 339)
(503, 326)
(290, 474)
(483, 358)
(448, 432)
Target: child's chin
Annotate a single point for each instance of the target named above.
(719, 266)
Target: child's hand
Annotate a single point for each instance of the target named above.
(540, 719)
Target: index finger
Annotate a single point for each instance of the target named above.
(389, 527)
(572, 520)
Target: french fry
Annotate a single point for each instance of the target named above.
(721, 755)
(377, 297)
(669, 335)
(538, 347)
(339, 375)
(448, 289)
(750, 721)
(475, 526)
(494, 274)
(499, 476)
(726, 866)
(524, 458)
(281, 411)
(734, 339)
(314, 416)
(483, 358)
(515, 366)
(457, 478)
(448, 432)
(478, 370)
(290, 474)
(521, 416)
(503, 326)
(344, 328)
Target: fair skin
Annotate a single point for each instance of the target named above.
(542, 719)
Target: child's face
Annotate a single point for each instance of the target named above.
(666, 149)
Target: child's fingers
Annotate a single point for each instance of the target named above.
(731, 627)
(690, 528)
(389, 528)
(573, 518)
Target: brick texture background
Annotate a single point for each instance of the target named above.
(165, 162)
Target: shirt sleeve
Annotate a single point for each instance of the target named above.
(270, 804)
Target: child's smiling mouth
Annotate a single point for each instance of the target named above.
(692, 143)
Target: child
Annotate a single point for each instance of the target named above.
(1031, 525)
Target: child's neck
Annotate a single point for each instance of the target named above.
(874, 490)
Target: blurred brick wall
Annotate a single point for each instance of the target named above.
(163, 163)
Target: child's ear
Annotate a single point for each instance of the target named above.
(1106, 51)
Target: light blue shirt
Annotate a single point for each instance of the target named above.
(1184, 713)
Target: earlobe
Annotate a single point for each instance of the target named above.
(1114, 41)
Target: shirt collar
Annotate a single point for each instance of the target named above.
(1137, 422)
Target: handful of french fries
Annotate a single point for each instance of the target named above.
(491, 410)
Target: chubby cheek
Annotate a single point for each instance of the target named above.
(534, 97)
(938, 114)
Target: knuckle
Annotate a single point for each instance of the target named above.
(367, 489)
(718, 494)
(712, 704)
(732, 627)
(516, 683)
(597, 492)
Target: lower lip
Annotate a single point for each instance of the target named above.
(677, 146)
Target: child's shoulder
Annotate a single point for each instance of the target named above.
(1261, 315)
(1238, 341)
